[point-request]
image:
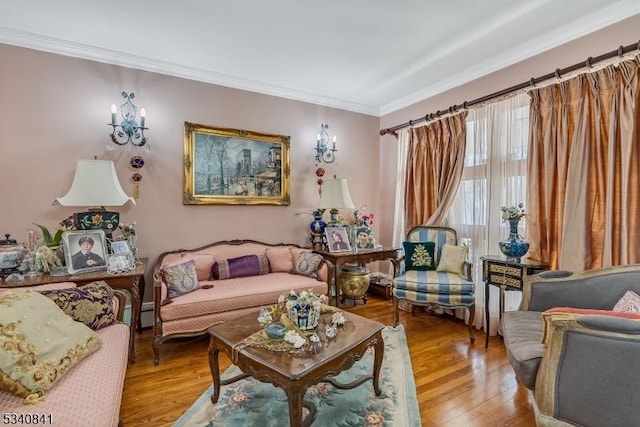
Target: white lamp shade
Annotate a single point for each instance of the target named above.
(335, 195)
(95, 184)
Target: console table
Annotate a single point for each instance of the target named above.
(507, 275)
(337, 260)
(129, 281)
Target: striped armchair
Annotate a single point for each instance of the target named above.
(436, 286)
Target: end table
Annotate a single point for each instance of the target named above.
(507, 275)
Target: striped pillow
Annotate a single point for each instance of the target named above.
(248, 265)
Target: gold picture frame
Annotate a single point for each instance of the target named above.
(235, 167)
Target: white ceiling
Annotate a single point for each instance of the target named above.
(368, 56)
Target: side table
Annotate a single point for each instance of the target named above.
(337, 260)
(507, 275)
(129, 281)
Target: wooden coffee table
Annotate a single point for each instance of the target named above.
(296, 373)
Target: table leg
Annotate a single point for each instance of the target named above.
(295, 396)
(141, 286)
(135, 316)
(377, 362)
(336, 280)
(215, 371)
(486, 314)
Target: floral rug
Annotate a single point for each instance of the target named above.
(250, 402)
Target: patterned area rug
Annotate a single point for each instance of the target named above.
(250, 402)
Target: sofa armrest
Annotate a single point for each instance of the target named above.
(590, 373)
(120, 303)
(467, 271)
(598, 289)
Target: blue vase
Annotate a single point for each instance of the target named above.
(514, 247)
(318, 225)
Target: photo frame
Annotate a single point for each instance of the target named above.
(337, 239)
(85, 250)
(363, 237)
(120, 247)
(235, 167)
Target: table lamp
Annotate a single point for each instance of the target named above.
(95, 186)
(335, 195)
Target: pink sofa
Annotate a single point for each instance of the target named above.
(91, 392)
(215, 301)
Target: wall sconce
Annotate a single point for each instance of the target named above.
(323, 152)
(128, 131)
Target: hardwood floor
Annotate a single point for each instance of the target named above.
(458, 383)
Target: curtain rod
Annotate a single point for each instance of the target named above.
(622, 50)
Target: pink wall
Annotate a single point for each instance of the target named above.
(597, 43)
(54, 110)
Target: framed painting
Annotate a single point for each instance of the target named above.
(235, 167)
(85, 250)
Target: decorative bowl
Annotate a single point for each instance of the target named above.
(275, 331)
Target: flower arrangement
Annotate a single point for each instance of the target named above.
(513, 213)
(302, 308)
(127, 230)
(362, 218)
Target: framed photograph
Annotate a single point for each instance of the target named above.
(364, 237)
(235, 167)
(84, 250)
(337, 239)
(118, 263)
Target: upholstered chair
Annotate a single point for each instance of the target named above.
(434, 273)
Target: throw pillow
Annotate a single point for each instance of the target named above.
(452, 259)
(180, 278)
(203, 262)
(248, 265)
(419, 255)
(629, 303)
(280, 259)
(308, 264)
(40, 343)
(91, 304)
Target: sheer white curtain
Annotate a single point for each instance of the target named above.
(494, 176)
(399, 231)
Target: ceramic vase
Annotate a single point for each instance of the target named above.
(318, 225)
(514, 246)
(306, 316)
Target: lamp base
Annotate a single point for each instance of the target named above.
(97, 219)
(335, 218)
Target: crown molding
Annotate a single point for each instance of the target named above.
(92, 53)
(575, 29)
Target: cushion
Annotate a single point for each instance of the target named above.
(91, 304)
(280, 259)
(40, 343)
(452, 259)
(180, 278)
(629, 303)
(203, 262)
(308, 264)
(419, 255)
(248, 265)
